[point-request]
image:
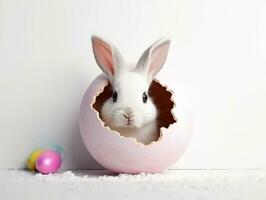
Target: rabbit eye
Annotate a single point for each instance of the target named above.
(144, 97)
(114, 96)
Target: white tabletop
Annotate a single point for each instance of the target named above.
(102, 184)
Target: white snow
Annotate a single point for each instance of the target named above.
(102, 184)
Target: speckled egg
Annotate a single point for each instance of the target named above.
(126, 155)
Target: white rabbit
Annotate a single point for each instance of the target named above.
(130, 110)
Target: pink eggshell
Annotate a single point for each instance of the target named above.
(125, 155)
(48, 162)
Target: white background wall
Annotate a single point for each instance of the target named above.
(218, 57)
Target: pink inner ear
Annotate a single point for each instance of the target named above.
(104, 56)
(158, 57)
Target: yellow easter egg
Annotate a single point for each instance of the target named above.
(33, 157)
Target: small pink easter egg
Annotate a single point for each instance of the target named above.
(49, 161)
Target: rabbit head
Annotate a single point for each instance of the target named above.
(130, 105)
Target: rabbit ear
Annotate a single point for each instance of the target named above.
(107, 56)
(153, 59)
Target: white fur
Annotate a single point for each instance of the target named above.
(143, 126)
(130, 84)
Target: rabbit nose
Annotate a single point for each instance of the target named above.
(128, 116)
(128, 111)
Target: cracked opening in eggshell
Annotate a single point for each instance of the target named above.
(162, 98)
